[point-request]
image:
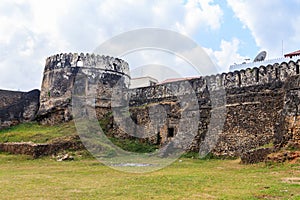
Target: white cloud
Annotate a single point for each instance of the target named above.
(270, 22)
(32, 30)
(227, 55)
(160, 65)
(26, 40)
(200, 14)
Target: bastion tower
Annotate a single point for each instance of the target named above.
(60, 74)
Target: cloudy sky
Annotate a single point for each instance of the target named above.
(229, 30)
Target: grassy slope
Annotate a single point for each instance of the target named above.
(36, 133)
(24, 178)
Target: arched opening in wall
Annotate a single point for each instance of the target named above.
(170, 132)
(297, 69)
(158, 138)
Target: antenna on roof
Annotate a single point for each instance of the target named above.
(261, 56)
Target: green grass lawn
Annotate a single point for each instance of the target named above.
(22, 177)
(34, 132)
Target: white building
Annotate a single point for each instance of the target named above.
(142, 82)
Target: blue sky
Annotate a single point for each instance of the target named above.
(228, 30)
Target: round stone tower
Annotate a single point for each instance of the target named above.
(60, 74)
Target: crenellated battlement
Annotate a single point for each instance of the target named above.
(254, 76)
(238, 78)
(257, 76)
(72, 60)
(259, 104)
(61, 74)
(237, 67)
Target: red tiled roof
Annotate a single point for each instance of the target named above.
(295, 53)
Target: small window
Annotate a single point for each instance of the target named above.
(170, 132)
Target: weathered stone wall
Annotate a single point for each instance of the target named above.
(250, 108)
(43, 149)
(61, 73)
(251, 119)
(18, 107)
(9, 97)
(291, 112)
(255, 155)
(167, 97)
(254, 104)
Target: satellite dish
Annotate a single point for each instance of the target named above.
(260, 57)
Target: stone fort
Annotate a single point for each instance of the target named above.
(251, 108)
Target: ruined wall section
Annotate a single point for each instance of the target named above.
(167, 109)
(254, 105)
(43, 149)
(9, 97)
(18, 107)
(167, 97)
(61, 71)
(291, 113)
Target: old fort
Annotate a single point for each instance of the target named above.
(230, 113)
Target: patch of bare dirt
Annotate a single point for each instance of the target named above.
(291, 180)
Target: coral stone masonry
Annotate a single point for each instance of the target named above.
(60, 75)
(260, 106)
(18, 107)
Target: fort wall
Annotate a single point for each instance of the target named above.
(255, 105)
(18, 107)
(60, 75)
(9, 97)
(245, 109)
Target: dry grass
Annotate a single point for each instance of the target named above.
(24, 178)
